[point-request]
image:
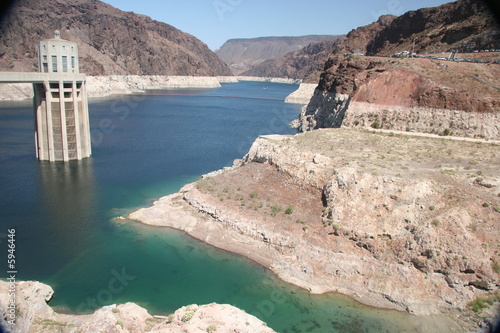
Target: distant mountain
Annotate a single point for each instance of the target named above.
(464, 25)
(110, 41)
(242, 54)
(308, 63)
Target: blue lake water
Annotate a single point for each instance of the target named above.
(146, 146)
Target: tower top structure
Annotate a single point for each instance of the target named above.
(57, 55)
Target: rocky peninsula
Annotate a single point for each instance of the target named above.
(394, 221)
(268, 79)
(303, 94)
(33, 314)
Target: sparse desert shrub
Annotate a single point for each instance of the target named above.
(375, 124)
(188, 316)
(485, 204)
(289, 210)
(206, 184)
(275, 209)
(480, 304)
(446, 132)
(211, 328)
(327, 223)
(327, 212)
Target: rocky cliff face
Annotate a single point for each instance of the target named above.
(406, 94)
(110, 41)
(463, 26)
(244, 53)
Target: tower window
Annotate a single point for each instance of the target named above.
(54, 64)
(64, 63)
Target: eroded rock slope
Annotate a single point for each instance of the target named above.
(400, 222)
(109, 40)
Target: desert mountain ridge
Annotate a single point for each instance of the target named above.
(241, 54)
(308, 63)
(463, 26)
(110, 41)
(427, 93)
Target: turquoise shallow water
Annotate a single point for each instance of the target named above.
(146, 146)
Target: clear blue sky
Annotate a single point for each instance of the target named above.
(215, 21)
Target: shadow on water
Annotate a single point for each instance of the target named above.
(67, 190)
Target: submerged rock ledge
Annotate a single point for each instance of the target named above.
(33, 314)
(393, 221)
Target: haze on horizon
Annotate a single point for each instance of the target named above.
(216, 21)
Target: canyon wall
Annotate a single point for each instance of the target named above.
(413, 94)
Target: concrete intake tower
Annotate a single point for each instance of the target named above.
(62, 129)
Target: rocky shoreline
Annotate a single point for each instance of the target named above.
(386, 219)
(303, 94)
(107, 85)
(33, 314)
(269, 79)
